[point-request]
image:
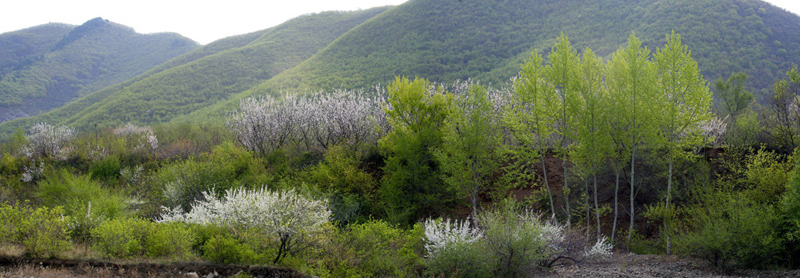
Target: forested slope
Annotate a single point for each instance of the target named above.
(487, 40)
(206, 75)
(44, 67)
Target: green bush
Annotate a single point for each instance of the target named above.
(121, 238)
(170, 240)
(731, 230)
(224, 249)
(106, 169)
(517, 240)
(10, 218)
(373, 249)
(461, 259)
(76, 192)
(43, 232)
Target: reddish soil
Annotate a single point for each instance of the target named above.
(28, 267)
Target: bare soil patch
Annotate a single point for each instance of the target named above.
(633, 265)
(30, 267)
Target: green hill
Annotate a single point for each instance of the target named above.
(44, 67)
(488, 40)
(208, 74)
(438, 40)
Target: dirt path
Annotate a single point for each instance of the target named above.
(632, 265)
(618, 265)
(27, 267)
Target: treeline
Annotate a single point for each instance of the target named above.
(576, 156)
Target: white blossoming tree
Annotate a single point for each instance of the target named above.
(44, 140)
(138, 138)
(286, 216)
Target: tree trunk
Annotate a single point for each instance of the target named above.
(566, 190)
(616, 207)
(633, 193)
(596, 205)
(666, 208)
(547, 185)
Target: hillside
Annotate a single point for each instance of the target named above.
(441, 41)
(488, 40)
(209, 74)
(44, 67)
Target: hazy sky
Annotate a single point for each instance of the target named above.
(201, 21)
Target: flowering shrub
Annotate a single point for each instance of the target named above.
(440, 234)
(266, 124)
(45, 140)
(138, 138)
(286, 216)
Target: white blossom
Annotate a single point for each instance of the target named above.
(45, 140)
(140, 138)
(601, 248)
(440, 234)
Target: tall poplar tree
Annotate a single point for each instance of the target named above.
(467, 155)
(563, 75)
(527, 119)
(632, 93)
(685, 103)
(592, 137)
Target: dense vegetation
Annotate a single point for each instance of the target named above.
(47, 66)
(427, 179)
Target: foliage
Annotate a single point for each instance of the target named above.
(374, 249)
(790, 203)
(731, 230)
(169, 240)
(76, 193)
(106, 169)
(412, 184)
(455, 249)
(225, 249)
(122, 238)
(42, 231)
(471, 138)
(286, 216)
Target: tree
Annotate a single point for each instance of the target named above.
(412, 183)
(631, 79)
(526, 118)
(786, 109)
(47, 141)
(732, 96)
(563, 74)
(470, 137)
(685, 103)
(592, 137)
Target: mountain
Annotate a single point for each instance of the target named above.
(208, 74)
(441, 40)
(44, 67)
(488, 40)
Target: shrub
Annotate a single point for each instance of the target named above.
(732, 230)
(46, 141)
(518, 240)
(121, 238)
(169, 240)
(106, 169)
(76, 192)
(43, 231)
(455, 250)
(224, 249)
(286, 216)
